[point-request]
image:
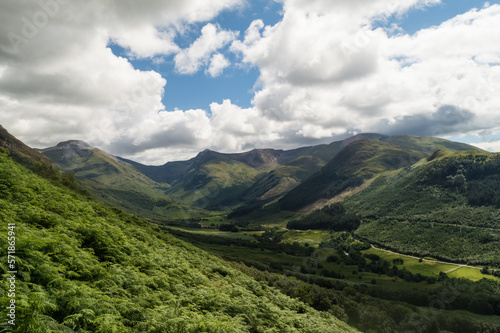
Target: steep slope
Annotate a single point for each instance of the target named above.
(116, 182)
(83, 267)
(362, 160)
(215, 180)
(294, 167)
(356, 163)
(23, 154)
(448, 207)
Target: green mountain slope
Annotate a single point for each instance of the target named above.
(215, 180)
(362, 160)
(30, 158)
(448, 207)
(359, 161)
(116, 182)
(83, 267)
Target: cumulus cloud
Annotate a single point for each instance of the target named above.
(59, 80)
(446, 120)
(212, 38)
(217, 65)
(325, 72)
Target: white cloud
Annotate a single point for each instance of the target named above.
(59, 80)
(325, 70)
(212, 38)
(217, 65)
(492, 146)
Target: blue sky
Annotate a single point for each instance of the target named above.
(232, 75)
(199, 90)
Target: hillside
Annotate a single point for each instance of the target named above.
(446, 207)
(360, 161)
(221, 182)
(83, 267)
(23, 154)
(216, 180)
(211, 180)
(116, 182)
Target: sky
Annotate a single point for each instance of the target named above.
(161, 80)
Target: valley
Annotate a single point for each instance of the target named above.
(369, 227)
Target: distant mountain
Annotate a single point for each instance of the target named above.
(362, 160)
(220, 181)
(116, 182)
(217, 180)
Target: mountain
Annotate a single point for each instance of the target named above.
(30, 158)
(215, 180)
(84, 267)
(223, 182)
(362, 160)
(210, 180)
(116, 182)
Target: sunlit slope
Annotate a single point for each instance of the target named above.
(356, 163)
(116, 182)
(362, 160)
(448, 207)
(83, 267)
(217, 180)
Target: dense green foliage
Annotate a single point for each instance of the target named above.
(372, 309)
(396, 308)
(475, 176)
(432, 209)
(84, 267)
(333, 217)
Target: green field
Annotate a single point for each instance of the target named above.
(311, 237)
(432, 268)
(215, 232)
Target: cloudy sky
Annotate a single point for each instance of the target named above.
(160, 80)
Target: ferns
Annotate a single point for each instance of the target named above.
(84, 267)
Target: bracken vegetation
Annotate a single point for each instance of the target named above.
(84, 267)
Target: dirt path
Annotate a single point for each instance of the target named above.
(454, 269)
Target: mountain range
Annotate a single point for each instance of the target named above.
(224, 182)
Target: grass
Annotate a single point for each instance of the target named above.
(312, 237)
(471, 274)
(218, 233)
(432, 268)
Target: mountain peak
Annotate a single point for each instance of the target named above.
(76, 143)
(68, 151)
(363, 136)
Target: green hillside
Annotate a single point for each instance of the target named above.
(116, 182)
(84, 267)
(362, 160)
(448, 207)
(359, 161)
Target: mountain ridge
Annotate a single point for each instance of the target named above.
(225, 181)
